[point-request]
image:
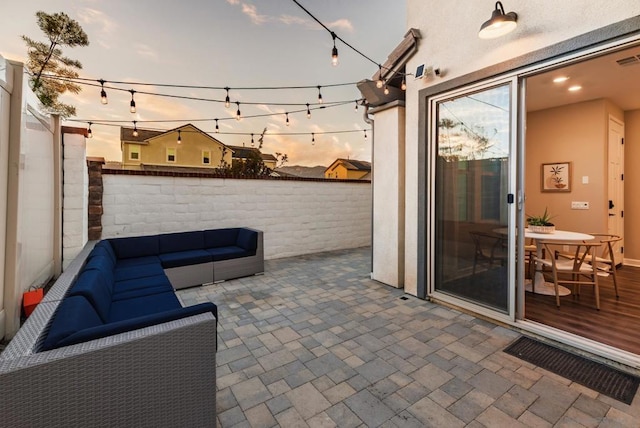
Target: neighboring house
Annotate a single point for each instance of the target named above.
(241, 154)
(182, 147)
(349, 169)
(462, 147)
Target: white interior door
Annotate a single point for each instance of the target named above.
(616, 183)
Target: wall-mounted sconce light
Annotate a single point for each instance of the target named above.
(500, 23)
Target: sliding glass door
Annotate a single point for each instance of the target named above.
(471, 211)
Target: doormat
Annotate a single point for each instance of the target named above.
(599, 377)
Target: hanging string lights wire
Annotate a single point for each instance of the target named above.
(227, 101)
(334, 51)
(103, 93)
(89, 133)
(132, 105)
(238, 115)
(320, 100)
(135, 128)
(179, 136)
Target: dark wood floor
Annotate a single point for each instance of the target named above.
(617, 323)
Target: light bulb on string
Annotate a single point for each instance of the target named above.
(380, 82)
(287, 116)
(308, 112)
(135, 128)
(313, 139)
(365, 135)
(252, 142)
(403, 85)
(386, 90)
(217, 127)
(356, 107)
(179, 137)
(132, 107)
(320, 95)
(89, 133)
(238, 115)
(227, 101)
(334, 51)
(103, 93)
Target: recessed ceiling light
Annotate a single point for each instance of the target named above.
(575, 88)
(560, 79)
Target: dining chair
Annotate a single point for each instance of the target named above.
(490, 248)
(530, 250)
(576, 270)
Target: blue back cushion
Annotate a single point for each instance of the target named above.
(184, 241)
(102, 264)
(220, 237)
(137, 246)
(106, 247)
(74, 313)
(248, 239)
(92, 285)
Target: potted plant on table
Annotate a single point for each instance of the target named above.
(541, 223)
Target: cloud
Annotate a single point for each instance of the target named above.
(341, 24)
(233, 1)
(146, 51)
(106, 26)
(252, 12)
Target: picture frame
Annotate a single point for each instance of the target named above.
(555, 177)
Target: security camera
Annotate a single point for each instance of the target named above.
(437, 72)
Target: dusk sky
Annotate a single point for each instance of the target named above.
(222, 43)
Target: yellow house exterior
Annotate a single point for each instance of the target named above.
(185, 146)
(348, 169)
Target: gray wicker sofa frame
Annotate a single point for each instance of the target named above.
(160, 375)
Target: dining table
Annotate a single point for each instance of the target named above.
(538, 284)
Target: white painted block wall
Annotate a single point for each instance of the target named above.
(297, 217)
(75, 197)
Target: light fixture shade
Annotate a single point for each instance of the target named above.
(500, 23)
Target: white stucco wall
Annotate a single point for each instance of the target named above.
(297, 217)
(450, 42)
(388, 196)
(75, 197)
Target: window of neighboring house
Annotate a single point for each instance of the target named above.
(206, 157)
(134, 152)
(171, 154)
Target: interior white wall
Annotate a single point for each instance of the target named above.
(388, 196)
(450, 42)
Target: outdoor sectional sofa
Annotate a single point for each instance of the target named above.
(111, 345)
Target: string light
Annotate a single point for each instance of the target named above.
(356, 107)
(135, 128)
(313, 139)
(365, 135)
(89, 133)
(287, 121)
(238, 116)
(227, 102)
(132, 107)
(179, 137)
(386, 90)
(308, 112)
(403, 86)
(380, 82)
(334, 51)
(217, 127)
(252, 143)
(103, 94)
(320, 95)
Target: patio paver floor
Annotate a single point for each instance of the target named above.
(315, 342)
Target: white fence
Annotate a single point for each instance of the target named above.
(297, 217)
(29, 194)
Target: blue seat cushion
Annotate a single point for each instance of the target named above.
(136, 246)
(226, 253)
(140, 292)
(96, 332)
(183, 241)
(73, 314)
(143, 306)
(93, 286)
(183, 258)
(220, 237)
(138, 261)
(146, 282)
(132, 272)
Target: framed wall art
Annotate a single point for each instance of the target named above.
(556, 177)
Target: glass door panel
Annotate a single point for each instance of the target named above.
(473, 143)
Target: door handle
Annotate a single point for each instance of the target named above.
(611, 215)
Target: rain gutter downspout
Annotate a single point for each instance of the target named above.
(370, 121)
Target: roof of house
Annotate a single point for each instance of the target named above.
(268, 157)
(400, 55)
(144, 135)
(351, 164)
(241, 152)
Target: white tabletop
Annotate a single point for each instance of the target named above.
(559, 235)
